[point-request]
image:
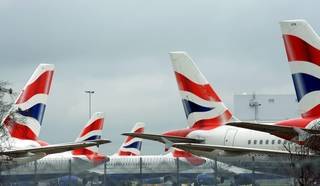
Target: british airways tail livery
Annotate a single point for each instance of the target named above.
(24, 120)
(29, 108)
(203, 107)
(132, 146)
(302, 46)
(91, 131)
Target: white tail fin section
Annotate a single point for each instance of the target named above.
(203, 107)
(132, 146)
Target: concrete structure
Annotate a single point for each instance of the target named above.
(265, 107)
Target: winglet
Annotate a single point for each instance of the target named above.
(303, 135)
(168, 144)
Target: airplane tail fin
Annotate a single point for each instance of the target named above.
(302, 46)
(25, 118)
(132, 146)
(91, 131)
(202, 106)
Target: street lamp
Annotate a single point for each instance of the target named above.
(89, 92)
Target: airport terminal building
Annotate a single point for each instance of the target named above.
(265, 107)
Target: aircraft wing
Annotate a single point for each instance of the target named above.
(164, 138)
(52, 149)
(276, 130)
(208, 148)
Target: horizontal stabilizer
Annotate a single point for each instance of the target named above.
(160, 138)
(52, 149)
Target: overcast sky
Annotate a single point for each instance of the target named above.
(120, 50)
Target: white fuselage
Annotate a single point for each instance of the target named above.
(162, 164)
(238, 137)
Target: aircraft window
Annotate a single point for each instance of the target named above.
(261, 141)
(272, 142)
(249, 142)
(279, 141)
(285, 142)
(254, 141)
(267, 142)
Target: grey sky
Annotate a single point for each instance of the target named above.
(120, 49)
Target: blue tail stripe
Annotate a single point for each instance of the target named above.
(93, 137)
(304, 84)
(136, 145)
(36, 112)
(190, 107)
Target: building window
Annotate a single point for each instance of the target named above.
(254, 141)
(261, 141)
(279, 141)
(272, 142)
(271, 100)
(267, 142)
(249, 142)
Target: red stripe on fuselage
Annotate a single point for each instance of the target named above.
(312, 113)
(40, 86)
(42, 143)
(203, 91)
(298, 123)
(97, 158)
(139, 131)
(179, 132)
(207, 124)
(192, 159)
(201, 125)
(96, 125)
(299, 50)
(124, 153)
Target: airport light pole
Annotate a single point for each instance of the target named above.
(90, 92)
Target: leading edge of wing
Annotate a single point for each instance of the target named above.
(161, 138)
(272, 129)
(52, 149)
(208, 148)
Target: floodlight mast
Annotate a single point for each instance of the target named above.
(89, 92)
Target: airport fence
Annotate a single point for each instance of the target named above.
(136, 171)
